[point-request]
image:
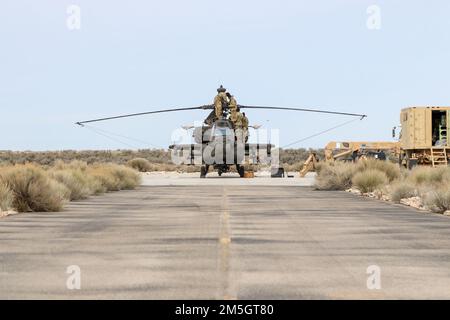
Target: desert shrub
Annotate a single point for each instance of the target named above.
(79, 184)
(335, 177)
(128, 178)
(292, 158)
(438, 200)
(33, 189)
(73, 165)
(114, 177)
(6, 197)
(297, 156)
(320, 166)
(428, 175)
(402, 190)
(140, 164)
(191, 169)
(104, 177)
(95, 185)
(49, 158)
(391, 170)
(293, 167)
(108, 182)
(369, 180)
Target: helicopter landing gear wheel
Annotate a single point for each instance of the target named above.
(203, 171)
(240, 169)
(219, 172)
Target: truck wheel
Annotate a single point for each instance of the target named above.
(411, 163)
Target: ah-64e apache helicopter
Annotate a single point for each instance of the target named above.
(215, 141)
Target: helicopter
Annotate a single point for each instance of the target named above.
(216, 144)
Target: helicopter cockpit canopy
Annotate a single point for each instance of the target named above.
(222, 129)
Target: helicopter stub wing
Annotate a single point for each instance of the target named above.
(248, 146)
(192, 153)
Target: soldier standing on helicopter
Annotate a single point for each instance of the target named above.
(239, 126)
(232, 105)
(245, 126)
(220, 101)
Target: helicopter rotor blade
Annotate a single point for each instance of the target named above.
(204, 107)
(362, 116)
(210, 106)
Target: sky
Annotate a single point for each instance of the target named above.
(134, 56)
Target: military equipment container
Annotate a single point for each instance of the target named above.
(423, 139)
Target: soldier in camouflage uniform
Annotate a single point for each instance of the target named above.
(238, 126)
(245, 126)
(220, 101)
(232, 105)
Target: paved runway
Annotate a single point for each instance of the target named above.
(227, 179)
(226, 242)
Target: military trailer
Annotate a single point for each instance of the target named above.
(423, 137)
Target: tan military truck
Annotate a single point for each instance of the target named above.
(422, 141)
(351, 151)
(423, 137)
(354, 150)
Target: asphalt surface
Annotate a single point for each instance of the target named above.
(226, 242)
(227, 179)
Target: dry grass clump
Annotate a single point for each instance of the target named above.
(431, 185)
(335, 177)
(438, 200)
(29, 187)
(107, 181)
(369, 180)
(320, 166)
(429, 176)
(33, 189)
(402, 190)
(6, 197)
(79, 185)
(128, 178)
(48, 158)
(288, 157)
(370, 174)
(391, 170)
(140, 164)
(73, 165)
(114, 177)
(293, 167)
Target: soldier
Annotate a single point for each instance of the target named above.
(220, 101)
(245, 126)
(233, 106)
(238, 126)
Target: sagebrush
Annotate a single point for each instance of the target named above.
(33, 189)
(159, 159)
(29, 187)
(431, 185)
(6, 197)
(337, 176)
(402, 190)
(369, 180)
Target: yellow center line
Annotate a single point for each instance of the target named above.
(225, 242)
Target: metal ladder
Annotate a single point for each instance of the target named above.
(439, 157)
